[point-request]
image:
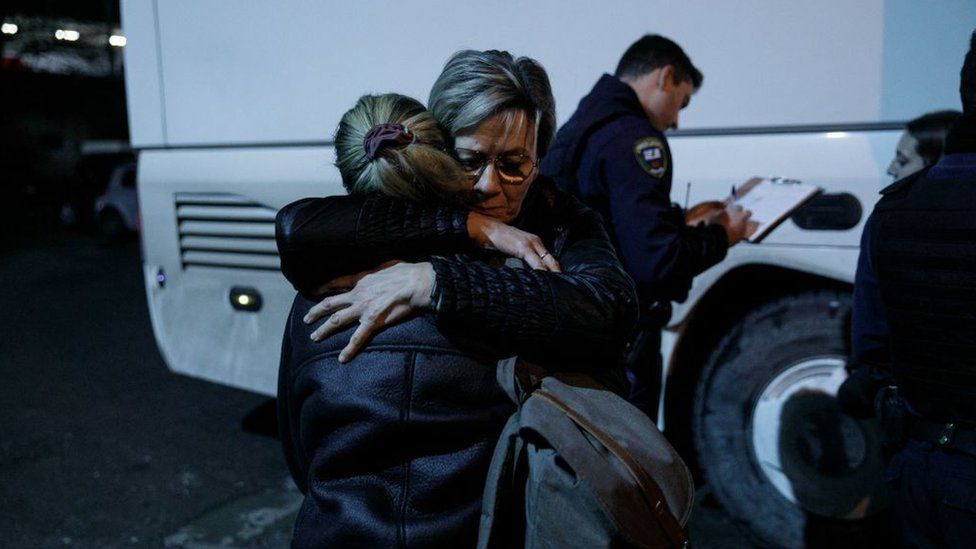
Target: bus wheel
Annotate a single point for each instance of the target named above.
(776, 450)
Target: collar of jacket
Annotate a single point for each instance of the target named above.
(540, 200)
(611, 89)
(546, 211)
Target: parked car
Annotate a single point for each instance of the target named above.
(90, 179)
(117, 211)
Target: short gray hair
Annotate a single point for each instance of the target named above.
(475, 85)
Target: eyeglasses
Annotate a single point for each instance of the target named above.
(512, 168)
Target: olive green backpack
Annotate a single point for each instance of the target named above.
(578, 466)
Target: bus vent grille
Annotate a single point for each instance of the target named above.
(226, 231)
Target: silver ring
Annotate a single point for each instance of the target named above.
(545, 255)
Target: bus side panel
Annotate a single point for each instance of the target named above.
(143, 88)
(840, 162)
(208, 227)
(259, 72)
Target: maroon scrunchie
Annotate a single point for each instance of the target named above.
(385, 135)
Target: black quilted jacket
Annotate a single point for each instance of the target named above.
(583, 315)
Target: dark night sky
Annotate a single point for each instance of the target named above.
(81, 10)
(45, 120)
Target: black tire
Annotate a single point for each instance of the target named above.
(829, 461)
(110, 223)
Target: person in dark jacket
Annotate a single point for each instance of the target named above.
(920, 146)
(613, 155)
(923, 257)
(393, 447)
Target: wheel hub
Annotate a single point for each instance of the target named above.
(802, 441)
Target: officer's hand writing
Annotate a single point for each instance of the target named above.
(737, 223)
(379, 299)
(494, 235)
(704, 212)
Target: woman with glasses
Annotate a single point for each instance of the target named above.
(389, 422)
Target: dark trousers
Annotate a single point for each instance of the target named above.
(933, 496)
(643, 364)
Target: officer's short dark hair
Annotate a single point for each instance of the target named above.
(967, 80)
(654, 51)
(930, 131)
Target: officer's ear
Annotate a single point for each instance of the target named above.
(665, 78)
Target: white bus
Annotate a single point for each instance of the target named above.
(232, 105)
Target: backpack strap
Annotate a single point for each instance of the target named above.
(502, 523)
(518, 378)
(505, 375)
(502, 510)
(649, 489)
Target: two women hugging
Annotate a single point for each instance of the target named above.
(449, 252)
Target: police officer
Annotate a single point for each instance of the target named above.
(612, 154)
(921, 250)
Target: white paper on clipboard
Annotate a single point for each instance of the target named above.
(772, 200)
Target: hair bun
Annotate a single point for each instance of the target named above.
(385, 135)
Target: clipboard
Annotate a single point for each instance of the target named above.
(772, 200)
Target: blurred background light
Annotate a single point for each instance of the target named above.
(69, 35)
(116, 40)
(8, 28)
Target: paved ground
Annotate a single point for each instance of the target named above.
(101, 446)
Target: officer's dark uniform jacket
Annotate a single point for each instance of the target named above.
(393, 447)
(923, 242)
(609, 155)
